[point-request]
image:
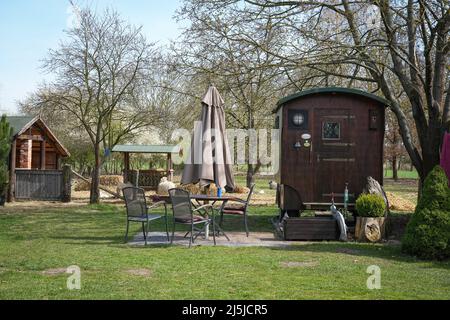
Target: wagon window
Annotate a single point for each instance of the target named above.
(298, 119)
(331, 131)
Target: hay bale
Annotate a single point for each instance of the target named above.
(241, 189)
(106, 180)
(111, 180)
(196, 189)
(399, 204)
(81, 185)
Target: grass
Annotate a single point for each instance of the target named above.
(91, 237)
(402, 174)
(262, 182)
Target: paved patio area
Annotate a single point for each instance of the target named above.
(237, 239)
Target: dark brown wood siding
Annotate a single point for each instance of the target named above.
(326, 166)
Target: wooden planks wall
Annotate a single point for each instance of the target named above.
(326, 166)
(39, 184)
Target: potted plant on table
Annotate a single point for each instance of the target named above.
(370, 220)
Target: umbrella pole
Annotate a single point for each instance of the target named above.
(207, 191)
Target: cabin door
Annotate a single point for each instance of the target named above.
(333, 140)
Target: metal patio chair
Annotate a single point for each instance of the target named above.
(138, 211)
(240, 210)
(184, 213)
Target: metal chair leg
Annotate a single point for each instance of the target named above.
(126, 233)
(214, 231)
(246, 224)
(167, 224)
(143, 231)
(219, 230)
(221, 219)
(148, 229)
(191, 239)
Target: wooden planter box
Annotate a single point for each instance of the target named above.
(314, 228)
(370, 229)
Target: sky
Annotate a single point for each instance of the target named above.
(29, 28)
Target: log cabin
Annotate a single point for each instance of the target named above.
(33, 147)
(330, 138)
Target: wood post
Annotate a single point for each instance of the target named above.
(169, 167)
(58, 162)
(126, 163)
(12, 172)
(29, 154)
(136, 178)
(67, 183)
(42, 155)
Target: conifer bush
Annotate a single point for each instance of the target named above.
(427, 234)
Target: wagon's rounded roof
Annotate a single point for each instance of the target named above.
(329, 90)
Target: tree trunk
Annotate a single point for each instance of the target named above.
(395, 168)
(95, 191)
(370, 229)
(252, 170)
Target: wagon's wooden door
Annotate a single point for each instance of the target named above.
(334, 152)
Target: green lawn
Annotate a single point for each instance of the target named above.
(402, 174)
(33, 241)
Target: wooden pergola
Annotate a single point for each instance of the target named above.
(147, 179)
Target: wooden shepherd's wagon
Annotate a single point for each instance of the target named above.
(330, 138)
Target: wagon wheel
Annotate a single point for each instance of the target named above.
(372, 231)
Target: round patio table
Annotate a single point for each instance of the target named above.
(208, 198)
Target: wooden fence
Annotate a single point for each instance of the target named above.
(52, 185)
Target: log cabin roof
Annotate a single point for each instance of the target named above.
(19, 122)
(22, 123)
(357, 92)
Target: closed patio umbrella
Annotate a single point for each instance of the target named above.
(209, 160)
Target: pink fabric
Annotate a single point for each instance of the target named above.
(445, 155)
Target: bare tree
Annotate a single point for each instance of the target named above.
(100, 76)
(394, 151)
(247, 75)
(376, 44)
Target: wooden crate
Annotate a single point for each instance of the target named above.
(313, 228)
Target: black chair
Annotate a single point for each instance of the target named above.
(183, 213)
(240, 210)
(138, 211)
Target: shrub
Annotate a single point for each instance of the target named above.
(427, 234)
(370, 205)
